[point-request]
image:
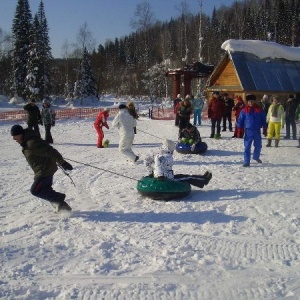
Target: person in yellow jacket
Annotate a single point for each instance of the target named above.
(275, 120)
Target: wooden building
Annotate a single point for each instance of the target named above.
(243, 72)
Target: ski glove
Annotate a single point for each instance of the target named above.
(193, 147)
(66, 166)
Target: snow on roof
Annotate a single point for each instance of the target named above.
(263, 49)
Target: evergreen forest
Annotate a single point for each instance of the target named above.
(135, 64)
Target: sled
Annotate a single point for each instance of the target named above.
(164, 190)
(186, 149)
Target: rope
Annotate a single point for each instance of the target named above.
(150, 134)
(88, 165)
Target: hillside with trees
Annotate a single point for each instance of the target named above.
(135, 64)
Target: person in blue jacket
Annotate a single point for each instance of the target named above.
(252, 118)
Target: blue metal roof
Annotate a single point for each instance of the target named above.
(274, 75)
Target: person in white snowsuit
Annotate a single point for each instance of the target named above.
(126, 124)
(160, 166)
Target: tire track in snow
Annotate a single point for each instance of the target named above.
(237, 249)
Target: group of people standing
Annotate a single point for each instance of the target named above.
(251, 117)
(183, 110)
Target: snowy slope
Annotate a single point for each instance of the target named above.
(238, 238)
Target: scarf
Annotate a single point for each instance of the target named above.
(274, 110)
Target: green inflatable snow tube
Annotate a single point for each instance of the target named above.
(163, 189)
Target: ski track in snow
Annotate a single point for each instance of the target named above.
(238, 238)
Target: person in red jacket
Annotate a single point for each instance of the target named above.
(239, 105)
(216, 111)
(101, 121)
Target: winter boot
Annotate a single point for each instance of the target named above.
(269, 143)
(217, 136)
(276, 143)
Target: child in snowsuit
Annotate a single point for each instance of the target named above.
(239, 105)
(252, 118)
(275, 120)
(48, 119)
(191, 133)
(160, 166)
(101, 121)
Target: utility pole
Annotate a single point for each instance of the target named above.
(199, 86)
(200, 32)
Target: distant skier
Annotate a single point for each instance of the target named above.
(43, 159)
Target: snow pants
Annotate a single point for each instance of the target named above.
(100, 136)
(48, 136)
(238, 132)
(196, 180)
(215, 124)
(197, 116)
(225, 118)
(125, 145)
(34, 126)
(42, 188)
(252, 136)
(274, 130)
(290, 122)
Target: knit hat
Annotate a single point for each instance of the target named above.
(169, 144)
(250, 97)
(215, 93)
(122, 106)
(106, 109)
(16, 130)
(178, 96)
(265, 97)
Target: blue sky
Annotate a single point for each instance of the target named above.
(106, 19)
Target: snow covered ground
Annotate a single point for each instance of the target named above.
(238, 238)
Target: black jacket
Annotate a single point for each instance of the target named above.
(41, 157)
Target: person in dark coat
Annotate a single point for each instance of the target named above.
(252, 118)
(43, 160)
(216, 111)
(176, 103)
(290, 117)
(184, 111)
(33, 115)
(229, 103)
